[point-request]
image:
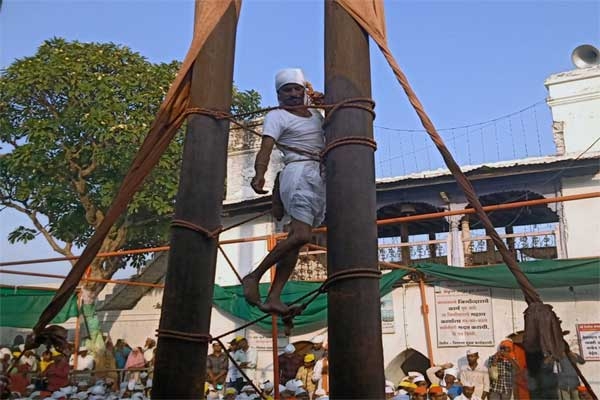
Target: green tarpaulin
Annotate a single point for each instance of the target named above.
(231, 300)
(21, 308)
(542, 273)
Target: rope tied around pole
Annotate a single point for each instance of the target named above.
(349, 274)
(184, 336)
(362, 103)
(180, 223)
(357, 140)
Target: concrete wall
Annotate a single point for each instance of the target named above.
(581, 219)
(574, 97)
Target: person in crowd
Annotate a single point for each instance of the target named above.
(267, 387)
(568, 381)
(305, 373)
(408, 386)
(289, 362)
(521, 378)
(122, 350)
(583, 393)
(299, 134)
(234, 377)
(248, 358)
(5, 357)
(477, 374)
(57, 373)
(45, 360)
(420, 393)
(436, 392)
(217, 364)
(19, 379)
(29, 358)
(505, 366)
(318, 349)
(229, 393)
(135, 361)
(389, 392)
(149, 348)
(468, 391)
(452, 385)
(419, 380)
(435, 374)
(85, 361)
(321, 372)
(106, 363)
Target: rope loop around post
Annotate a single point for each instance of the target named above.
(180, 223)
(362, 103)
(359, 140)
(215, 114)
(350, 274)
(184, 336)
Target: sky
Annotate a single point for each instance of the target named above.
(478, 67)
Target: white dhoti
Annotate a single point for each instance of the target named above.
(302, 191)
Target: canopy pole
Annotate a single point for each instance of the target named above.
(354, 311)
(271, 243)
(180, 368)
(425, 312)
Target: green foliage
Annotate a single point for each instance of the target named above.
(72, 118)
(21, 234)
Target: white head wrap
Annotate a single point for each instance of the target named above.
(451, 371)
(289, 349)
(289, 75)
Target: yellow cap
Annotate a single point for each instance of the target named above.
(309, 358)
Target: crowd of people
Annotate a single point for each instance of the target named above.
(120, 371)
(110, 372)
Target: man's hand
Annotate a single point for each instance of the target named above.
(257, 184)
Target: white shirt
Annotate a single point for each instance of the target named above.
(149, 354)
(479, 377)
(249, 356)
(305, 133)
(83, 363)
(31, 361)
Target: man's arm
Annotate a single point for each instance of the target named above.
(261, 163)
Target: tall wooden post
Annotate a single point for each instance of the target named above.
(354, 311)
(180, 368)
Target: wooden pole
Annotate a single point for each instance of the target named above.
(180, 368)
(271, 243)
(354, 311)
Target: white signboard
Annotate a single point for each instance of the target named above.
(589, 341)
(387, 314)
(265, 342)
(463, 315)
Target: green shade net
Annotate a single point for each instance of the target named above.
(542, 273)
(21, 308)
(231, 300)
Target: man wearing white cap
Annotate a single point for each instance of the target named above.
(84, 360)
(289, 362)
(476, 374)
(298, 133)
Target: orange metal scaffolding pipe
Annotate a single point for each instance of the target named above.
(389, 221)
(120, 282)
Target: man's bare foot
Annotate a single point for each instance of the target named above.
(274, 307)
(251, 293)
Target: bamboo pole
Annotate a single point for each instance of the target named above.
(272, 242)
(354, 311)
(180, 368)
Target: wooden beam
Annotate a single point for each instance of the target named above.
(180, 367)
(354, 311)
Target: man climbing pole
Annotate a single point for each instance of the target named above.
(298, 132)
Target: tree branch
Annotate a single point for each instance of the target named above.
(65, 251)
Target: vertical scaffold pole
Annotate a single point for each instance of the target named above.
(354, 313)
(180, 368)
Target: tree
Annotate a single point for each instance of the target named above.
(71, 120)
